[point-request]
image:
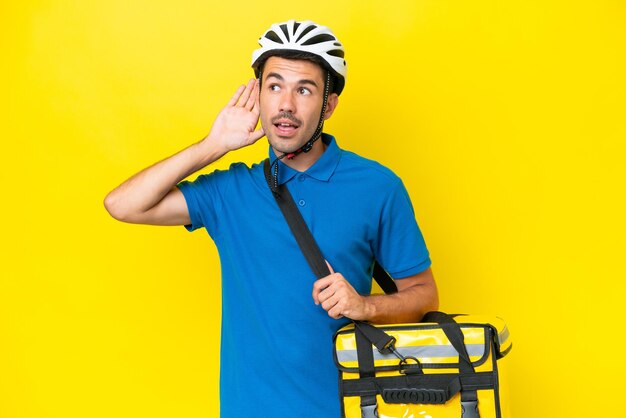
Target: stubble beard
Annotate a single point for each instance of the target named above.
(279, 144)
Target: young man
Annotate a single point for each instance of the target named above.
(277, 319)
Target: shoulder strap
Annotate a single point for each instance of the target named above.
(298, 227)
(305, 239)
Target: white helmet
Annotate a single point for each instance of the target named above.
(303, 36)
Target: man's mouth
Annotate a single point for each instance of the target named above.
(285, 126)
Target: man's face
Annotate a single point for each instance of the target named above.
(291, 99)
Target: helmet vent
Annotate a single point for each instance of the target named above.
(305, 31)
(272, 36)
(283, 27)
(336, 53)
(318, 39)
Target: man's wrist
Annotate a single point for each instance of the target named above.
(369, 307)
(209, 150)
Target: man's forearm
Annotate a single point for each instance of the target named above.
(408, 305)
(146, 189)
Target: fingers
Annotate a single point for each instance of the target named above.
(253, 98)
(334, 305)
(245, 96)
(329, 296)
(323, 285)
(323, 292)
(325, 288)
(319, 286)
(233, 100)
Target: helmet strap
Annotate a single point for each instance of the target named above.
(309, 144)
(318, 132)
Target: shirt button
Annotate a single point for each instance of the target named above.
(302, 202)
(302, 178)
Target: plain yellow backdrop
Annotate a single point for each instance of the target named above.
(506, 120)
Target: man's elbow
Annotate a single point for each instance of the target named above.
(116, 209)
(434, 304)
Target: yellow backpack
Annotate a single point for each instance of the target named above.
(444, 366)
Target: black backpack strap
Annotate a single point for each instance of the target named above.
(469, 398)
(305, 239)
(384, 280)
(298, 227)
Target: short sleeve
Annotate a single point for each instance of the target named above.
(204, 199)
(400, 249)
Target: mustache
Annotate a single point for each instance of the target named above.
(286, 115)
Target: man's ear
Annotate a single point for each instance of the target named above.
(333, 100)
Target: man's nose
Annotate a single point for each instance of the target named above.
(287, 103)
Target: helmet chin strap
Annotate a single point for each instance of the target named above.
(309, 144)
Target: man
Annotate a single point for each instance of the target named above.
(277, 319)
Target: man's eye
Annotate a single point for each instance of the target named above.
(274, 87)
(304, 90)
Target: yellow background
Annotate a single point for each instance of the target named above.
(506, 120)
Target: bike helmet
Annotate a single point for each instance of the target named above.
(305, 36)
(311, 38)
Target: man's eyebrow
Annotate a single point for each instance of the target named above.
(281, 78)
(307, 81)
(275, 75)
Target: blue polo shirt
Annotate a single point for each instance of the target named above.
(276, 344)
